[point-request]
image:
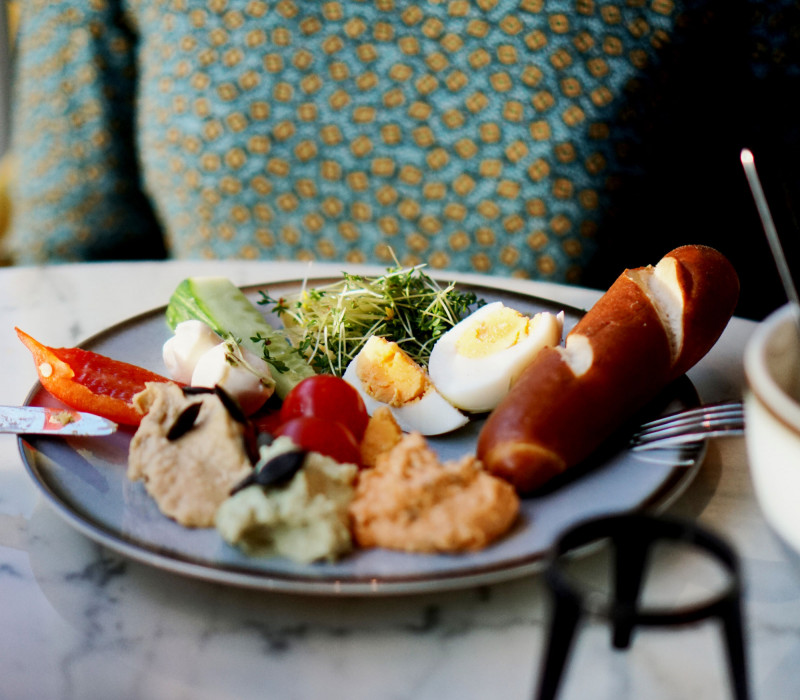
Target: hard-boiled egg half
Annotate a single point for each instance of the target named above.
(385, 375)
(197, 356)
(475, 363)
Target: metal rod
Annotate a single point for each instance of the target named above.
(749, 165)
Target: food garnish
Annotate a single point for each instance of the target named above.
(330, 324)
(184, 422)
(275, 470)
(243, 375)
(233, 408)
(197, 356)
(222, 306)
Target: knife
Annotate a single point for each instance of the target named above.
(37, 420)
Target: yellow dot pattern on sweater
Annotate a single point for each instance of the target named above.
(469, 135)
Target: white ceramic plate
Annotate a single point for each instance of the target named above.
(84, 480)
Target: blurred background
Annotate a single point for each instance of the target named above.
(8, 19)
(729, 80)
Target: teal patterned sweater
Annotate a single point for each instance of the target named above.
(471, 135)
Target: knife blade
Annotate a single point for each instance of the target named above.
(40, 420)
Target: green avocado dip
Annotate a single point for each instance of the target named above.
(304, 518)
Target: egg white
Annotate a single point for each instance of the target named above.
(430, 414)
(479, 383)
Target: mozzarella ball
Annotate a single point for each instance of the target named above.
(182, 351)
(385, 375)
(249, 382)
(475, 363)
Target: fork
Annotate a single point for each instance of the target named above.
(691, 425)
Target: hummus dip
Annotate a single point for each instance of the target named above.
(410, 501)
(304, 519)
(190, 476)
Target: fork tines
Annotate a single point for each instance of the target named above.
(713, 420)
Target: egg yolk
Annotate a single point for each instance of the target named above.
(388, 374)
(493, 333)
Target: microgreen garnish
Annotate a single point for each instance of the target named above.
(279, 365)
(234, 356)
(330, 324)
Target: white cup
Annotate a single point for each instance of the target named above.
(772, 414)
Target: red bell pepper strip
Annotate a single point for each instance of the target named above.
(88, 381)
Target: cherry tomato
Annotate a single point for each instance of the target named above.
(327, 437)
(328, 397)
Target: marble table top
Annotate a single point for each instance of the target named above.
(78, 622)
